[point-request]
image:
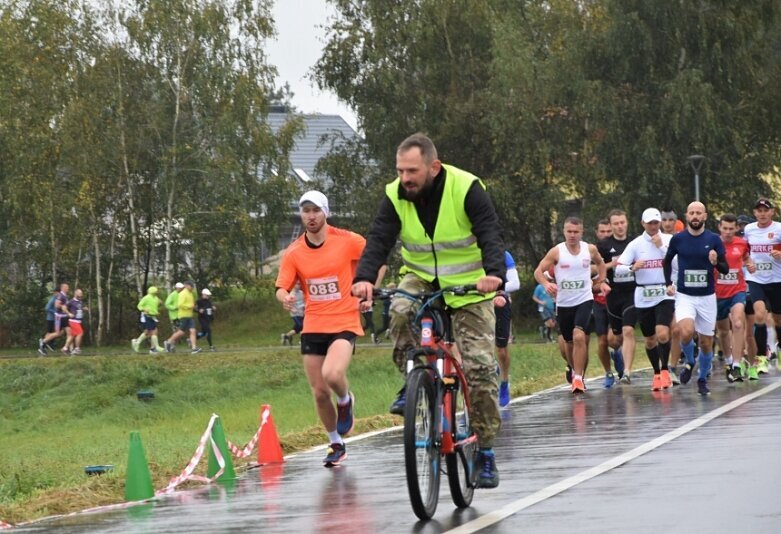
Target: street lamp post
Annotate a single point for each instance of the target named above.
(696, 162)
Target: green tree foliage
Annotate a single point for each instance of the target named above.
(568, 107)
(135, 147)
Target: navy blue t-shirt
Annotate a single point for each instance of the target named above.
(695, 271)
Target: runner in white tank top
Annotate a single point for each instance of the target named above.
(573, 289)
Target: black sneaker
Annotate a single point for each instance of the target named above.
(568, 374)
(686, 374)
(487, 475)
(335, 453)
(397, 408)
(733, 374)
(702, 387)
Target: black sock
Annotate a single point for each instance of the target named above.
(760, 335)
(664, 354)
(653, 357)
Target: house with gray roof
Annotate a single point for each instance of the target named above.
(315, 142)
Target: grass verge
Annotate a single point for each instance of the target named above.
(60, 414)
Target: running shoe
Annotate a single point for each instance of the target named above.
(345, 420)
(578, 386)
(702, 387)
(42, 352)
(667, 379)
(283, 339)
(618, 361)
(674, 377)
(686, 374)
(626, 379)
(154, 351)
(77, 350)
(733, 374)
(65, 351)
(753, 374)
(196, 350)
(504, 394)
(397, 407)
(568, 375)
(134, 343)
(656, 384)
(335, 453)
(610, 380)
(744, 367)
(762, 367)
(488, 477)
(167, 345)
(212, 348)
(40, 344)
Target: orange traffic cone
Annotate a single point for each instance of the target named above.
(269, 449)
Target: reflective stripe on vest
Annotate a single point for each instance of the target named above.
(452, 256)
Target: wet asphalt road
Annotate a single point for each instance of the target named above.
(624, 458)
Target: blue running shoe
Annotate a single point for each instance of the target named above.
(397, 408)
(702, 387)
(344, 419)
(335, 453)
(686, 374)
(618, 361)
(488, 476)
(609, 380)
(504, 394)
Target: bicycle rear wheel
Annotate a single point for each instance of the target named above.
(421, 449)
(460, 463)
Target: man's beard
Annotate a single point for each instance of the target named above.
(695, 225)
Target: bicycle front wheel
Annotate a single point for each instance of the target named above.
(421, 449)
(460, 463)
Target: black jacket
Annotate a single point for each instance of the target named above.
(387, 226)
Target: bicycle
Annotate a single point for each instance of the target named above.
(436, 413)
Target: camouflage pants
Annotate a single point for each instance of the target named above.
(473, 329)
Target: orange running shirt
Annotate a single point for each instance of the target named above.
(326, 274)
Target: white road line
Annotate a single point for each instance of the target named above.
(563, 485)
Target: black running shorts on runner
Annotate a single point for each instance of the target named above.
(573, 317)
(661, 314)
(600, 319)
(503, 321)
(621, 311)
(318, 344)
(769, 293)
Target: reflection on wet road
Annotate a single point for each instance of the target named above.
(624, 458)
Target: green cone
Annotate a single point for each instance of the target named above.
(138, 486)
(219, 438)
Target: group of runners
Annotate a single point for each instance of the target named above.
(680, 284)
(64, 316)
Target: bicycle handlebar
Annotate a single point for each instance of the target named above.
(384, 293)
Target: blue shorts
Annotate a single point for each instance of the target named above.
(724, 306)
(150, 323)
(186, 323)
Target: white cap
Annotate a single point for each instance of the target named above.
(652, 214)
(316, 198)
(206, 292)
(179, 285)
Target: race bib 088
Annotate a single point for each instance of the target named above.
(323, 289)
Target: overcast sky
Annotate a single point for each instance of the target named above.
(298, 46)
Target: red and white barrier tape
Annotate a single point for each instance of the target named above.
(247, 450)
(187, 473)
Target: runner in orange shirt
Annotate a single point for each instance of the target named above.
(324, 259)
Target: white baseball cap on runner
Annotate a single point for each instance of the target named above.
(652, 214)
(316, 198)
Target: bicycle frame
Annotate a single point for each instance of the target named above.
(436, 342)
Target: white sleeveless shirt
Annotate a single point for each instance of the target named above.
(573, 276)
